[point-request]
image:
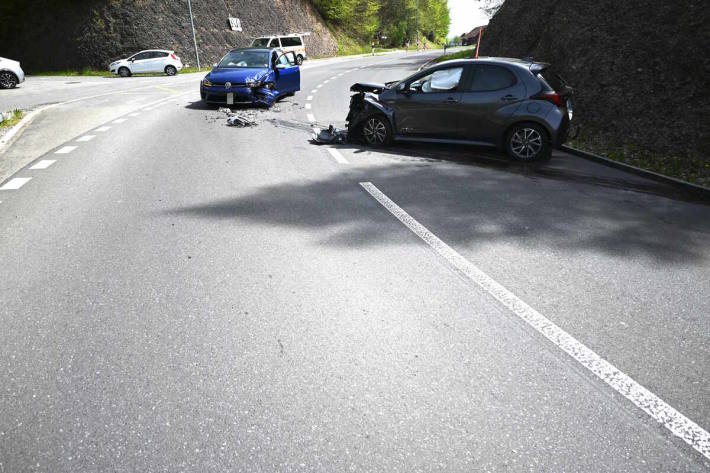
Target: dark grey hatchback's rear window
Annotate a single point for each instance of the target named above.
(487, 77)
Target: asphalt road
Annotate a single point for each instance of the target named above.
(179, 295)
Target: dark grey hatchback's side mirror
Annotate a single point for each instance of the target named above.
(403, 88)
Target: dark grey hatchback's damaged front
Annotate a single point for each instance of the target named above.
(506, 103)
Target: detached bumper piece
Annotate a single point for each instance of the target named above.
(240, 95)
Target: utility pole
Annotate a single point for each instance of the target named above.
(417, 25)
(194, 39)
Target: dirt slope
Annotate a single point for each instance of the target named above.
(641, 69)
(56, 34)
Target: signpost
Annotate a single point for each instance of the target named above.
(235, 24)
(194, 38)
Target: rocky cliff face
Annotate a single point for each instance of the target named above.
(54, 34)
(641, 68)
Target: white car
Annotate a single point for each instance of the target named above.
(151, 60)
(290, 43)
(11, 73)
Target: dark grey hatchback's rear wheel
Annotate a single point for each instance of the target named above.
(170, 70)
(8, 80)
(124, 72)
(299, 59)
(527, 142)
(376, 131)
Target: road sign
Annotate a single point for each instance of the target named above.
(235, 24)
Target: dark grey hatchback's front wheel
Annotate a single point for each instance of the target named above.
(527, 142)
(376, 131)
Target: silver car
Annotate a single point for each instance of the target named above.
(501, 102)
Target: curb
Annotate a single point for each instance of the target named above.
(694, 189)
(14, 132)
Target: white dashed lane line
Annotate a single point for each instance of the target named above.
(314, 91)
(644, 399)
(15, 183)
(44, 164)
(310, 97)
(310, 117)
(65, 150)
(319, 86)
(325, 81)
(86, 138)
(308, 106)
(103, 128)
(337, 156)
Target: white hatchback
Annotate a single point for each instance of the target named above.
(152, 60)
(11, 73)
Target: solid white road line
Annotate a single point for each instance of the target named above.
(15, 183)
(86, 138)
(310, 117)
(310, 97)
(65, 150)
(659, 410)
(119, 121)
(337, 156)
(134, 114)
(308, 106)
(103, 128)
(44, 164)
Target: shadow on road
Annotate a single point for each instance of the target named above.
(477, 203)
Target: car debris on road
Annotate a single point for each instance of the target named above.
(330, 135)
(239, 119)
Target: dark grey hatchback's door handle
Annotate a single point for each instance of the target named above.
(509, 98)
(451, 100)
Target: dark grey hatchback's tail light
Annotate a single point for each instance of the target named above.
(552, 97)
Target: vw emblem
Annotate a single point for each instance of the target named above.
(227, 85)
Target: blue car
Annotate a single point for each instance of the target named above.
(251, 76)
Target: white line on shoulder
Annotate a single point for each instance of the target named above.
(337, 156)
(15, 183)
(43, 164)
(65, 150)
(659, 410)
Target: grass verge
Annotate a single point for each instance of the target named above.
(13, 119)
(693, 169)
(465, 54)
(87, 72)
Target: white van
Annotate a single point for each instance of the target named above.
(288, 42)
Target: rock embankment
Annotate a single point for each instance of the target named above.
(641, 69)
(52, 35)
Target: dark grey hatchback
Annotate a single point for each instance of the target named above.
(501, 102)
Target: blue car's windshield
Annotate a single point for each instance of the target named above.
(235, 59)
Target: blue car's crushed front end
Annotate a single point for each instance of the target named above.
(227, 87)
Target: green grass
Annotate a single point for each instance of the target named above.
(88, 72)
(465, 54)
(693, 169)
(13, 120)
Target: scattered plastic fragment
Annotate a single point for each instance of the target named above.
(241, 119)
(330, 135)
